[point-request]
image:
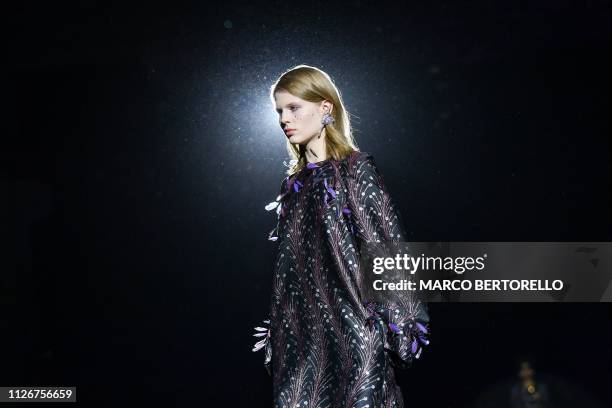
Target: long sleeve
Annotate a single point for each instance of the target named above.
(265, 332)
(264, 344)
(399, 314)
(278, 204)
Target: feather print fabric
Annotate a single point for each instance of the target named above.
(325, 345)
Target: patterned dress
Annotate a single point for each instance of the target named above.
(325, 345)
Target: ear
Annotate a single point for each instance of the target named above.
(326, 106)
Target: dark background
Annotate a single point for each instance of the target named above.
(142, 150)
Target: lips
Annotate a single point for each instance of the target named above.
(289, 132)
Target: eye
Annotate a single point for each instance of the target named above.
(294, 108)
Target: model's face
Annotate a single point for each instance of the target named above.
(303, 117)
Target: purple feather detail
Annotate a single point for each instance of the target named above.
(297, 185)
(329, 189)
(271, 205)
(262, 332)
(346, 210)
(312, 165)
(394, 327)
(271, 236)
(415, 345)
(259, 345)
(423, 340)
(422, 327)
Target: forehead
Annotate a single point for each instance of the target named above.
(284, 98)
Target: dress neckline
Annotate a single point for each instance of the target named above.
(319, 162)
(310, 166)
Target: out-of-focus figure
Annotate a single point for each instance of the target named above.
(528, 393)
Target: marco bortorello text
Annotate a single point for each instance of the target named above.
(487, 271)
(459, 265)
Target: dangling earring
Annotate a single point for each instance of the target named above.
(326, 120)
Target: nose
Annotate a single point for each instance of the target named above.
(285, 120)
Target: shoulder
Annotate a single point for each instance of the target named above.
(358, 155)
(284, 185)
(359, 163)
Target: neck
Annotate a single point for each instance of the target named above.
(316, 149)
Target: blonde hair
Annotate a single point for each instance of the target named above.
(313, 85)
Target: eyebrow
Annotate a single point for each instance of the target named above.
(288, 104)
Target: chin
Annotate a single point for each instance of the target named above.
(301, 140)
(295, 139)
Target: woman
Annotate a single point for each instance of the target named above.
(327, 345)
